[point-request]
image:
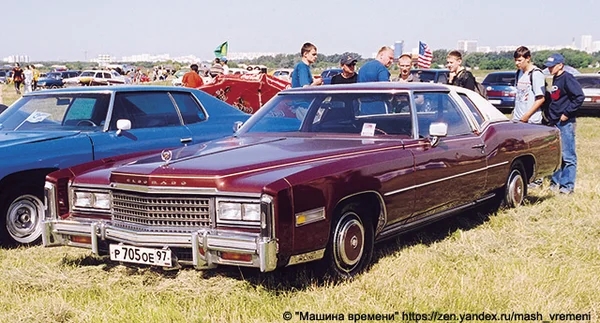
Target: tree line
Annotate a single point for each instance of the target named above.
(484, 61)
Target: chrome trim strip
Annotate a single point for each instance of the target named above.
(444, 179)
(306, 257)
(166, 189)
(262, 249)
(50, 197)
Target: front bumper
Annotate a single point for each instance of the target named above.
(206, 245)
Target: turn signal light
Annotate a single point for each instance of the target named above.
(236, 256)
(79, 239)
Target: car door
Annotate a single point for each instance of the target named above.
(155, 124)
(452, 173)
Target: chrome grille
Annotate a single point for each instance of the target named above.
(160, 213)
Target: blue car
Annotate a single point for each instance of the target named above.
(54, 80)
(432, 75)
(329, 73)
(52, 129)
(501, 90)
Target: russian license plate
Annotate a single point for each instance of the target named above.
(139, 255)
(587, 99)
(495, 101)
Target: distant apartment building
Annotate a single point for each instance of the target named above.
(484, 49)
(103, 59)
(586, 43)
(398, 48)
(596, 46)
(467, 45)
(146, 58)
(16, 59)
(250, 55)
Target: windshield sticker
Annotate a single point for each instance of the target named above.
(368, 129)
(37, 116)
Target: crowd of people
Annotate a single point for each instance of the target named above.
(562, 101)
(27, 77)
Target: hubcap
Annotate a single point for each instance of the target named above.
(23, 219)
(349, 243)
(516, 187)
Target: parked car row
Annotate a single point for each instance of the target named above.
(57, 129)
(54, 80)
(317, 174)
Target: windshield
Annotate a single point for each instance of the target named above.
(589, 82)
(56, 112)
(341, 113)
(500, 79)
(54, 75)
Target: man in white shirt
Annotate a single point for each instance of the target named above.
(530, 97)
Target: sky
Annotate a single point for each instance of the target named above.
(82, 29)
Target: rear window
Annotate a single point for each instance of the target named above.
(500, 79)
(589, 82)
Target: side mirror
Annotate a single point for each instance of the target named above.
(123, 124)
(437, 130)
(237, 125)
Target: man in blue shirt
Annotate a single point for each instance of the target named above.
(301, 76)
(377, 69)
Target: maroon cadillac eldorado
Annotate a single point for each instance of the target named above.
(317, 174)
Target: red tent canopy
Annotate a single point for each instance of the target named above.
(247, 92)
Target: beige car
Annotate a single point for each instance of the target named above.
(284, 74)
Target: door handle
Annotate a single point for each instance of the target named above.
(480, 146)
(186, 140)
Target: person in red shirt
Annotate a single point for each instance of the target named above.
(192, 78)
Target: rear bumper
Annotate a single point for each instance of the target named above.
(205, 245)
(502, 101)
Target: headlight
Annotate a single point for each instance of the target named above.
(230, 211)
(251, 212)
(91, 200)
(239, 211)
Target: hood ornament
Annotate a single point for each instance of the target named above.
(166, 156)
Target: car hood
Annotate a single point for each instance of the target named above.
(220, 163)
(13, 138)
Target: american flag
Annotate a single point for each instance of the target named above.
(425, 55)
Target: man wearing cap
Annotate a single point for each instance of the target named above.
(348, 75)
(567, 96)
(405, 63)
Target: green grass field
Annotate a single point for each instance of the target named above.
(542, 258)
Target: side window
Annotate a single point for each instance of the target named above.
(440, 108)
(106, 75)
(87, 110)
(472, 108)
(145, 110)
(80, 109)
(189, 108)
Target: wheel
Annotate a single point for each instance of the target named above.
(350, 247)
(86, 122)
(515, 188)
(21, 216)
